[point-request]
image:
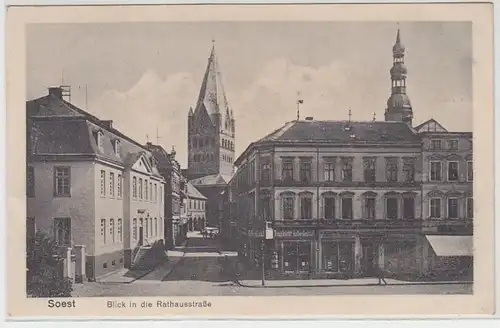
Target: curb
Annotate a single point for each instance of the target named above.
(359, 285)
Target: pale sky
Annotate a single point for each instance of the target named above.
(145, 76)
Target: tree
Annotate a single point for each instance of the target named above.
(44, 265)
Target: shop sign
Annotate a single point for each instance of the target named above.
(335, 234)
(294, 233)
(259, 233)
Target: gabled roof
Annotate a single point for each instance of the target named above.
(212, 97)
(211, 180)
(430, 126)
(193, 192)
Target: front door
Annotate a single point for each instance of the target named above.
(141, 236)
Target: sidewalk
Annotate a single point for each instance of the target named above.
(336, 282)
(122, 276)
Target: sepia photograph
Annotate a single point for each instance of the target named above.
(206, 158)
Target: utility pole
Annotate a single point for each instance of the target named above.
(263, 249)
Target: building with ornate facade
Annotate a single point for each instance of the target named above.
(91, 186)
(211, 139)
(345, 198)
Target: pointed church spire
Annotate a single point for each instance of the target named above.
(212, 97)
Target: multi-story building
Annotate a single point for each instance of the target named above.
(211, 140)
(346, 197)
(195, 204)
(90, 185)
(175, 195)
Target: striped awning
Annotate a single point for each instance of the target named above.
(451, 245)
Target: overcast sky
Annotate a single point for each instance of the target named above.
(145, 76)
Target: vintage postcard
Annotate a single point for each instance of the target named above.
(195, 160)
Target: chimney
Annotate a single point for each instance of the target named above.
(309, 118)
(149, 144)
(108, 123)
(56, 92)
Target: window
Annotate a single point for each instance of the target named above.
(265, 172)
(161, 194)
(156, 192)
(470, 171)
(409, 207)
(409, 172)
(329, 207)
(30, 181)
(100, 140)
(346, 207)
(296, 256)
(117, 147)
(103, 230)
(134, 187)
(452, 208)
(329, 171)
(151, 226)
(190, 204)
(146, 189)
(156, 227)
(140, 189)
(288, 204)
(119, 231)
(119, 185)
(62, 178)
(470, 208)
(62, 231)
(103, 183)
(306, 208)
(392, 171)
(436, 144)
(111, 184)
(370, 207)
(134, 229)
(287, 171)
(452, 144)
(112, 230)
(337, 256)
(369, 169)
(452, 171)
(146, 228)
(435, 205)
(305, 171)
(151, 191)
(347, 171)
(391, 208)
(435, 171)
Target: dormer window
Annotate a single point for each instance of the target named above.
(116, 146)
(99, 138)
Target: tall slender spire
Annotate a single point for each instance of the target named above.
(212, 97)
(398, 105)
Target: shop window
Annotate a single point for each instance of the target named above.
(337, 256)
(297, 256)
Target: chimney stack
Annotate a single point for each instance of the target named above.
(56, 92)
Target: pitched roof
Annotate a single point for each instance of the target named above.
(55, 127)
(212, 97)
(211, 180)
(430, 126)
(193, 192)
(343, 132)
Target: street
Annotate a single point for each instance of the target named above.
(196, 270)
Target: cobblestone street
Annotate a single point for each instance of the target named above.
(196, 270)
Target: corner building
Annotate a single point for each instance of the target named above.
(346, 197)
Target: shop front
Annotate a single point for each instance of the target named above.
(294, 252)
(337, 254)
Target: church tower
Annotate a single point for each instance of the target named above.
(398, 105)
(211, 127)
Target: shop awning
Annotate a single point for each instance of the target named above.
(451, 245)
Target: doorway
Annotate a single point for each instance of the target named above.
(141, 236)
(369, 259)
